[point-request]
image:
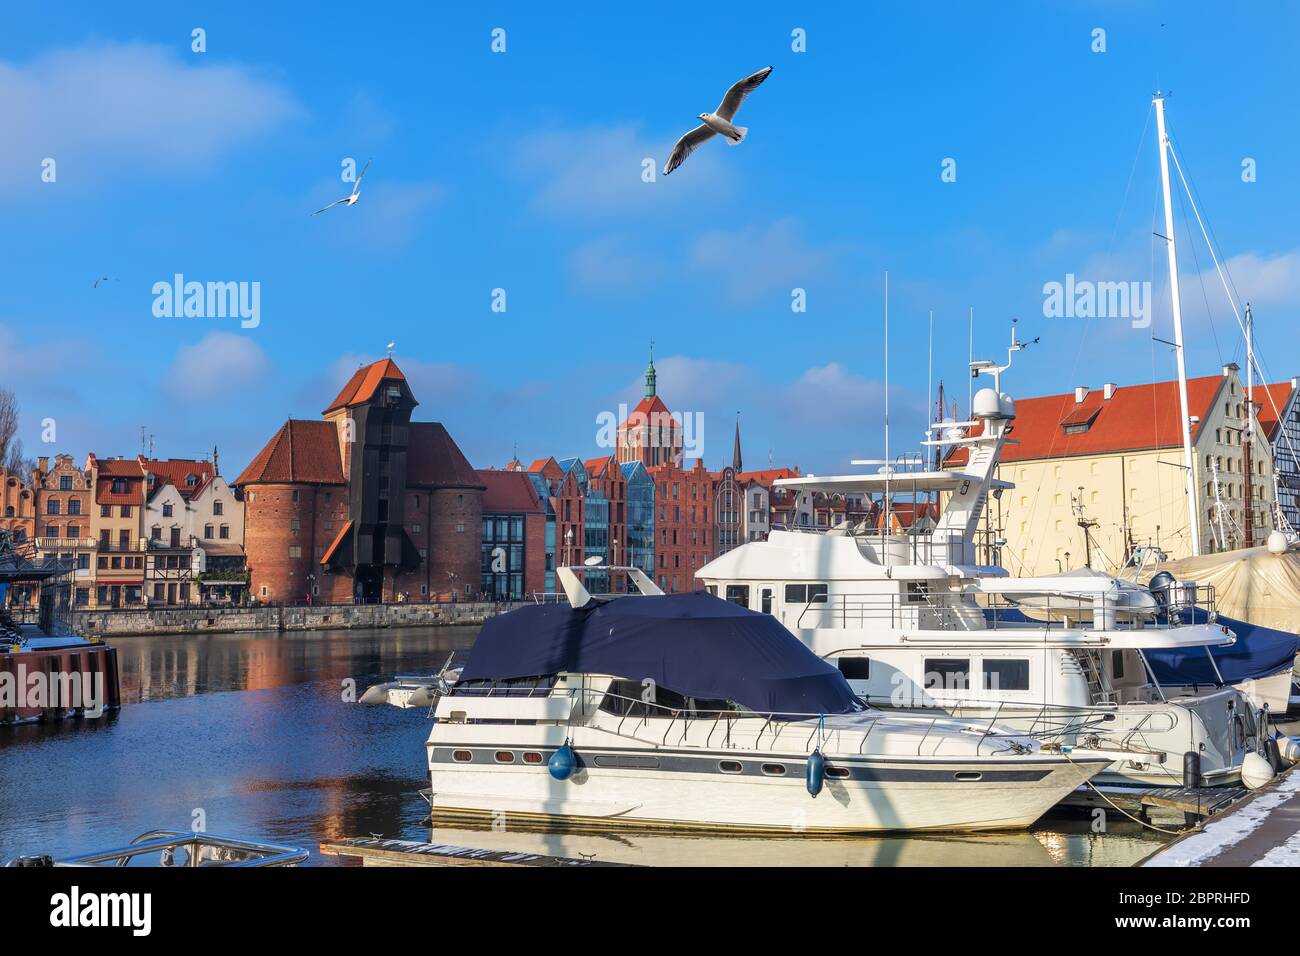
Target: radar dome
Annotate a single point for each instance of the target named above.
(987, 404)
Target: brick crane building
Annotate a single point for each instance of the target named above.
(364, 505)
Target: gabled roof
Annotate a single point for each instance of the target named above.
(509, 491)
(176, 472)
(434, 460)
(1280, 394)
(647, 410)
(1134, 418)
(301, 451)
(363, 384)
(600, 467)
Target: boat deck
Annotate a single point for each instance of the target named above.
(1261, 830)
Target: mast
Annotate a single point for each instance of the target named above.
(1193, 518)
(1248, 504)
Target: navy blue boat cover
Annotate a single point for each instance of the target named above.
(695, 644)
(1259, 652)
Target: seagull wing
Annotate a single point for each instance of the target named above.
(330, 206)
(736, 95)
(687, 145)
(357, 184)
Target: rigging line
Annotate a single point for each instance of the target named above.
(1205, 296)
(1229, 292)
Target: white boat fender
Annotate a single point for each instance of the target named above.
(563, 762)
(815, 775)
(420, 697)
(376, 694)
(1255, 771)
(1289, 749)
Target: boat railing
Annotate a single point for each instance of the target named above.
(922, 608)
(180, 848)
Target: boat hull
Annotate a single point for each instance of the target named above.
(688, 790)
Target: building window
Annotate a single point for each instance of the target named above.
(217, 507)
(207, 531)
(52, 506)
(295, 551)
(126, 511)
(167, 511)
(224, 531)
(155, 533)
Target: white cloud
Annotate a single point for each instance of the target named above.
(102, 109)
(614, 265)
(596, 172)
(1261, 279)
(221, 363)
(760, 260)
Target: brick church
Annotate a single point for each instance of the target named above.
(363, 505)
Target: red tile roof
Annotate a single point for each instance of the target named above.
(1280, 394)
(174, 471)
(108, 469)
(648, 411)
(768, 475)
(363, 384)
(433, 459)
(301, 451)
(1134, 418)
(508, 491)
(338, 539)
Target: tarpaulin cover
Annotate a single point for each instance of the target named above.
(1259, 652)
(695, 644)
(1250, 584)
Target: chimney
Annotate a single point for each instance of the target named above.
(43, 464)
(1080, 393)
(1108, 391)
(1230, 368)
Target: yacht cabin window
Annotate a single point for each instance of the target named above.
(918, 592)
(947, 673)
(805, 594)
(855, 668)
(632, 698)
(738, 594)
(1006, 673)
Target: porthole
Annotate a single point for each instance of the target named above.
(839, 773)
(462, 756)
(532, 756)
(774, 769)
(730, 766)
(505, 756)
(967, 776)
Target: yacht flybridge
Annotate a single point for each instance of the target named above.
(914, 621)
(689, 712)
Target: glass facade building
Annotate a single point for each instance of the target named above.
(640, 551)
(503, 556)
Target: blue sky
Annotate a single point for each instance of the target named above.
(522, 171)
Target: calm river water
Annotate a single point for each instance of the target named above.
(252, 731)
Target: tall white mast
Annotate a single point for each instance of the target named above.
(1193, 517)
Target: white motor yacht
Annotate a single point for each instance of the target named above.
(915, 622)
(690, 712)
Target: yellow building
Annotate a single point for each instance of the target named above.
(1099, 475)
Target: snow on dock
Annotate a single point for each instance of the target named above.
(1262, 830)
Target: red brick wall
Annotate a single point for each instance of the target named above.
(270, 513)
(684, 533)
(453, 539)
(534, 553)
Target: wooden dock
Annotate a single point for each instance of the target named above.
(376, 851)
(1262, 829)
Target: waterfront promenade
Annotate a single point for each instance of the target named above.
(122, 622)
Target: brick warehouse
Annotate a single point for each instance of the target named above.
(364, 505)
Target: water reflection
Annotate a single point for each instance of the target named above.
(253, 734)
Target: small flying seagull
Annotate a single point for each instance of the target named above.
(101, 280)
(718, 121)
(351, 198)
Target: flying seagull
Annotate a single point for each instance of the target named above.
(351, 198)
(718, 122)
(102, 279)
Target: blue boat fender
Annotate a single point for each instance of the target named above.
(815, 775)
(563, 762)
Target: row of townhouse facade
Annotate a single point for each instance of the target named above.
(134, 532)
